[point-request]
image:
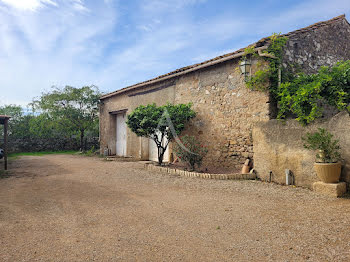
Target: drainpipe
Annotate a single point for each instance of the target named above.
(272, 113)
(266, 54)
(279, 75)
(270, 176)
(289, 177)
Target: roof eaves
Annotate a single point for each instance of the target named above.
(182, 71)
(261, 44)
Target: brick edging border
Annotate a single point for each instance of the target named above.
(235, 176)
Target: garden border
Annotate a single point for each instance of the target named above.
(164, 169)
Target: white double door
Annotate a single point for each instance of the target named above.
(153, 150)
(121, 134)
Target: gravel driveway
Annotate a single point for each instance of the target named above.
(74, 208)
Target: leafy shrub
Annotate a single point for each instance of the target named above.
(190, 151)
(302, 95)
(160, 123)
(90, 152)
(260, 80)
(324, 142)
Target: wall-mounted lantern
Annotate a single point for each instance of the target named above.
(245, 67)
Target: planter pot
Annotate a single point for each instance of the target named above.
(328, 172)
(245, 169)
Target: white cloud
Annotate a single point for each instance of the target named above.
(48, 47)
(304, 14)
(28, 4)
(169, 5)
(79, 6)
(79, 42)
(160, 47)
(145, 28)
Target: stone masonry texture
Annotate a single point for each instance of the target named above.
(318, 46)
(279, 146)
(226, 109)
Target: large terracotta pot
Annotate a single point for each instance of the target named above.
(328, 172)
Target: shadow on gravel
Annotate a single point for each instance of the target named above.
(346, 196)
(31, 167)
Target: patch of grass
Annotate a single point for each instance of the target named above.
(4, 174)
(91, 152)
(42, 153)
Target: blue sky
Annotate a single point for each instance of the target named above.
(113, 44)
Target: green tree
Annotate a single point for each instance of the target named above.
(17, 126)
(74, 110)
(45, 127)
(162, 124)
(14, 111)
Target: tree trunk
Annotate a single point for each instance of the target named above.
(161, 149)
(160, 155)
(192, 165)
(81, 139)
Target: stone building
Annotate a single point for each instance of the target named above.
(226, 108)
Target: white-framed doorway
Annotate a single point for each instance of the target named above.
(121, 134)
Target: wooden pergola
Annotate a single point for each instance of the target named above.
(4, 121)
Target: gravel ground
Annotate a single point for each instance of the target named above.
(74, 208)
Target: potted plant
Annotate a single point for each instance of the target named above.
(327, 165)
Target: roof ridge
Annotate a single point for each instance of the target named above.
(317, 25)
(259, 43)
(306, 29)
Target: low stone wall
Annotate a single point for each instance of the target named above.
(40, 144)
(185, 173)
(278, 146)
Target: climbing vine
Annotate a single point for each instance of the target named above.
(305, 94)
(301, 95)
(268, 72)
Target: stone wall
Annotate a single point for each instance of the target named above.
(320, 46)
(40, 144)
(323, 45)
(278, 146)
(226, 111)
